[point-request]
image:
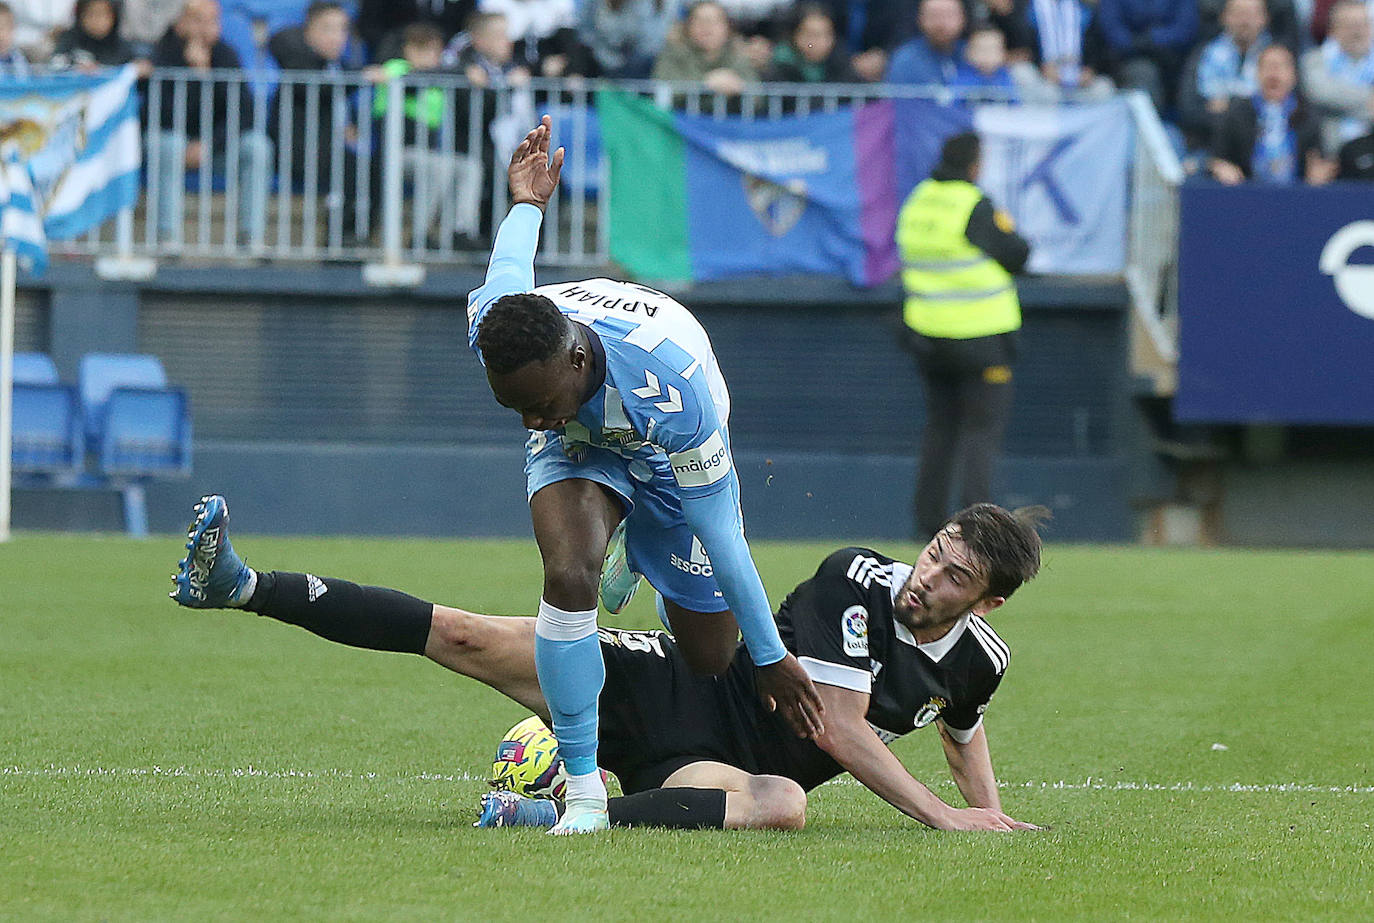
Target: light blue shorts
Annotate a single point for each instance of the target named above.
(659, 543)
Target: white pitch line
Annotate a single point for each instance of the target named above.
(1091, 783)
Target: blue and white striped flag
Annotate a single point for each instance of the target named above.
(69, 156)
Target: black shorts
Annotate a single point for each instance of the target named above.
(658, 716)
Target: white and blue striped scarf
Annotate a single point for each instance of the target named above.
(1359, 71)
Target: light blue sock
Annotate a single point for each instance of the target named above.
(567, 657)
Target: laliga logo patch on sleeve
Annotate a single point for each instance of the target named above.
(854, 628)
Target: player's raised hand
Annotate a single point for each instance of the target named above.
(533, 175)
(784, 686)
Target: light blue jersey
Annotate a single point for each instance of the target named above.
(655, 432)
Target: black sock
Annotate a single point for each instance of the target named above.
(683, 808)
(361, 616)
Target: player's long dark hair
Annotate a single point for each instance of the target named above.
(519, 329)
(1006, 541)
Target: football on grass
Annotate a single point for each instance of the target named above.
(527, 761)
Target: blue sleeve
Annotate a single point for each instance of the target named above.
(511, 269)
(1178, 32)
(715, 520)
(910, 65)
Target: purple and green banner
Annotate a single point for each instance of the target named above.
(696, 198)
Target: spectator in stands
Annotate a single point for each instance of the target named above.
(872, 30)
(185, 142)
(442, 177)
(933, 57)
(37, 23)
(1270, 137)
(984, 72)
(94, 41)
(318, 45)
(1224, 67)
(543, 33)
(380, 22)
(624, 37)
(1068, 47)
(707, 51)
(811, 54)
(1338, 77)
(12, 60)
(1012, 19)
(1356, 160)
(1287, 24)
(143, 22)
(1148, 40)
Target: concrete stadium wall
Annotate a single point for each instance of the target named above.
(324, 406)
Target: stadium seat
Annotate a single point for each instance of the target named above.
(34, 369)
(101, 373)
(147, 433)
(47, 437)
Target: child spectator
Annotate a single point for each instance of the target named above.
(812, 54)
(984, 72)
(12, 60)
(1270, 137)
(94, 41)
(442, 177)
(184, 141)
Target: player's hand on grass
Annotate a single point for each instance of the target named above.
(983, 819)
(533, 176)
(784, 686)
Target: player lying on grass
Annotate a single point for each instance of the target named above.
(891, 647)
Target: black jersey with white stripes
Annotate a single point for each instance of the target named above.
(840, 625)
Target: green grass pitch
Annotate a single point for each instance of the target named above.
(163, 764)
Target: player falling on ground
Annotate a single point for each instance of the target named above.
(628, 449)
(891, 647)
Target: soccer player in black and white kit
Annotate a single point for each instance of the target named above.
(891, 647)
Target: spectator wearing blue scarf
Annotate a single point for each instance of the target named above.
(1339, 74)
(1270, 137)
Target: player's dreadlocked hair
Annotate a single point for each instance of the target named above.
(1005, 541)
(520, 329)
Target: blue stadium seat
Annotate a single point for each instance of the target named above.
(47, 435)
(147, 433)
(101, 373)
(34, 369)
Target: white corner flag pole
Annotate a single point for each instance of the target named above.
(8, 279)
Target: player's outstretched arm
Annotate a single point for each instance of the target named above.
(533, 178)
(970, 765)
(854, 745)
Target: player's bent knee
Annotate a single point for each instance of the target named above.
(572, 586)
(779, 803)
(707, 661)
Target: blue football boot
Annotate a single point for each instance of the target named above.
(211, 576)
(509, 809)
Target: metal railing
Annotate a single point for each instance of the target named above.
(329, 167)
(1152, 242)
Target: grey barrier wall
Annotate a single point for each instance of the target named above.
(322, 405)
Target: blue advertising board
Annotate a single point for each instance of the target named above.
(1276, 304)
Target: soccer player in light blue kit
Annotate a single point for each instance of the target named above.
(628, 448)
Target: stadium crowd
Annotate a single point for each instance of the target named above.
(1276, 91)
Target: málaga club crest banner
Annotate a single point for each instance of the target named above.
(695, 198)
(69, 156)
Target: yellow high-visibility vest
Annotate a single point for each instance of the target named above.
(954, 290)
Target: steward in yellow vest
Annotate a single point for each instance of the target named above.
(961, 312)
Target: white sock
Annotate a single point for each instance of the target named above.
(586, 792)
(240, 599)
